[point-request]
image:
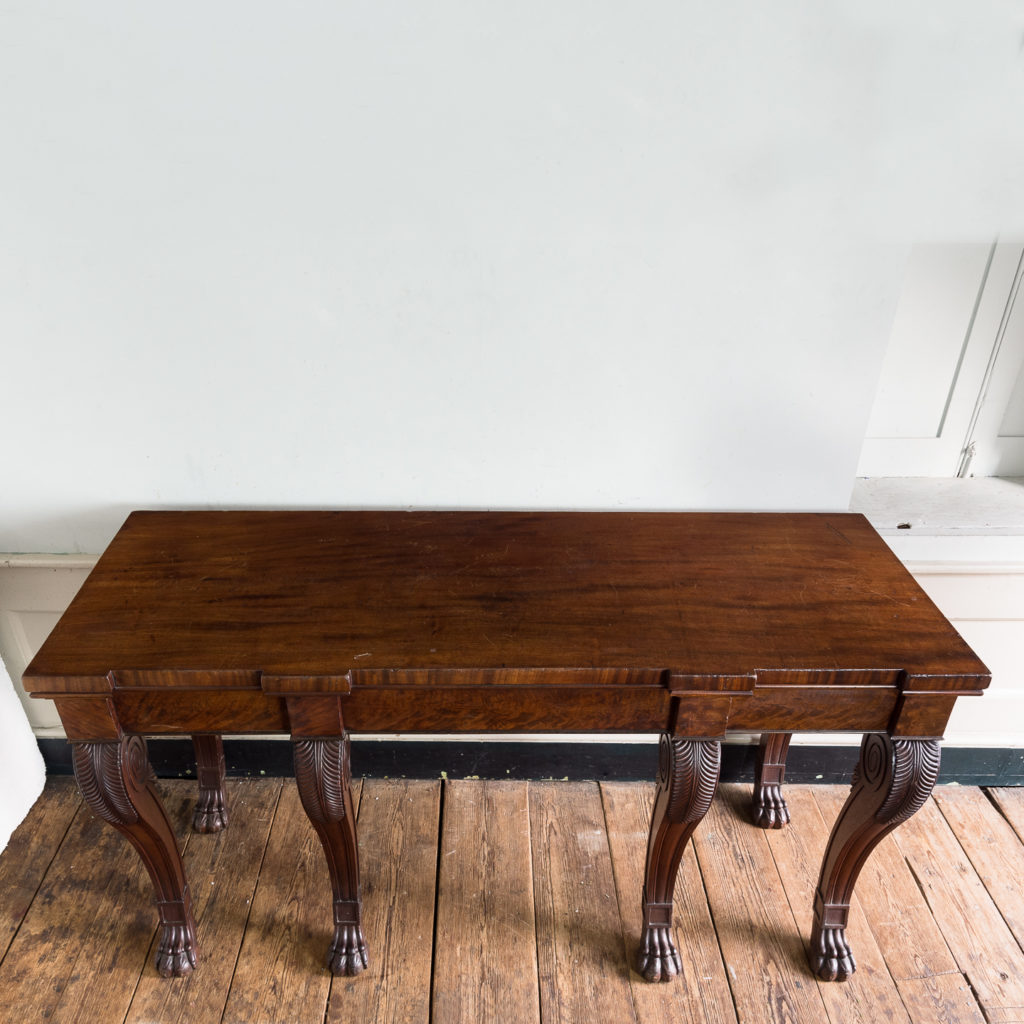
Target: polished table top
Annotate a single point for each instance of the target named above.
(340, 600)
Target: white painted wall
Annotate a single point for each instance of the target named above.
(469, 254)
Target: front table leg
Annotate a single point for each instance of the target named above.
(687, 780)
(117, 783)
(323, 777)
(893, 779)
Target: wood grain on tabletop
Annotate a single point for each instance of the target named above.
(416, 596)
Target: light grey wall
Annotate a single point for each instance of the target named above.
(470, 254)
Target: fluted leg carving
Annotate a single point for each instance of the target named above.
(323, 777)
(687, 780)
(211, 811)
(769, 805)
(117, 783)
(892, 781)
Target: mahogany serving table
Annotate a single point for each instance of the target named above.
(317, 624)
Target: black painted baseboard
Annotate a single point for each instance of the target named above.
(500, 759)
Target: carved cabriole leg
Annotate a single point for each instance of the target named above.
(117, 784)
(211, 812)
(323, 777)
(893, 779)
(687, 780)
(769, 805)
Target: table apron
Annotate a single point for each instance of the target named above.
(499, 710)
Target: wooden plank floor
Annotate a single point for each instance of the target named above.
(515, 902)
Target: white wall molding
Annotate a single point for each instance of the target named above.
(45, 561)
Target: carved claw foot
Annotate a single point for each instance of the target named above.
(658, 959)
(769, 808)
(176, 951)
(347, 954)
(210, 814)
(831, 958)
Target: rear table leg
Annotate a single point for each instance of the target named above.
(769, 805)
(892, 781)
(117, 784)
(323, 778)
(687, 780)
(211, 813)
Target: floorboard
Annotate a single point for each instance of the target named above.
(991, 846)
(398, 829)
(977, 935)
(759, 937)
(941, 999)
(582, 972)
(515, 902)
(1010, 803)
(30, 853)
(55, 952)
(486, 950)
